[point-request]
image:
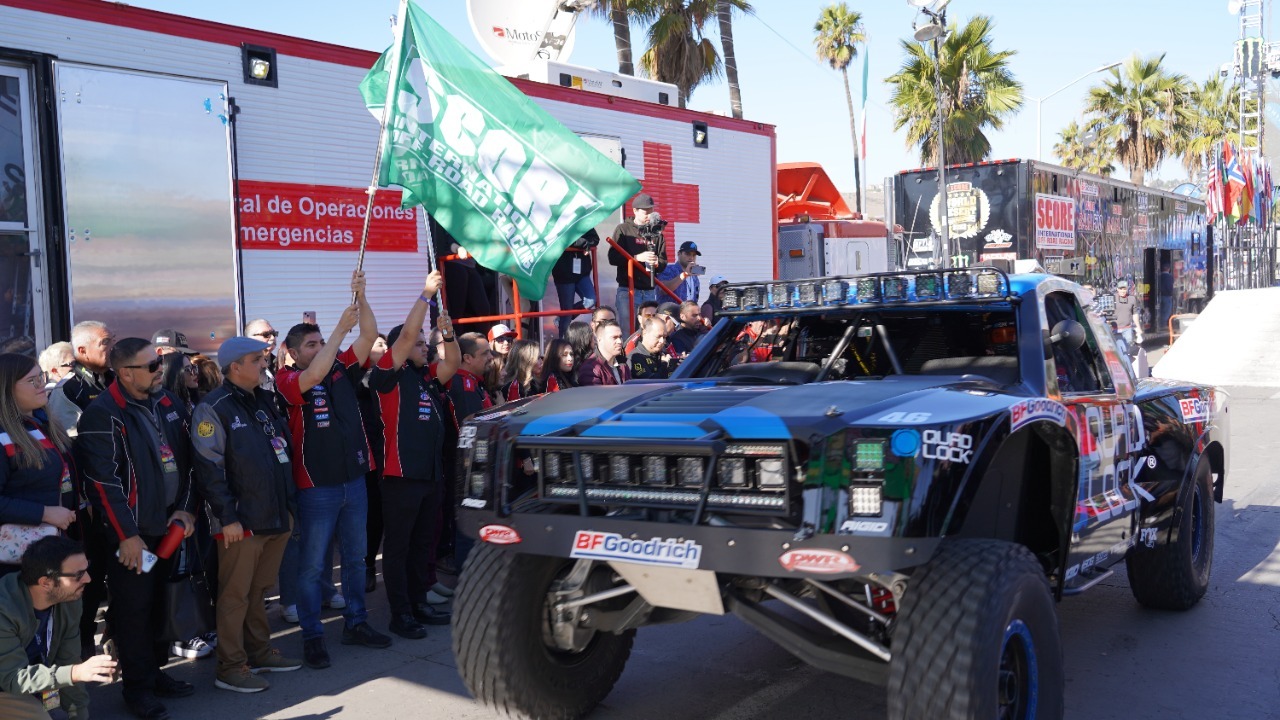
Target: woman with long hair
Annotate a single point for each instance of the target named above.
(182, 378)
(559, 369)
(522, 373)
(583, 341)
(36, 473)
(208, 374)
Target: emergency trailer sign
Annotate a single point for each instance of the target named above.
(1055, 222)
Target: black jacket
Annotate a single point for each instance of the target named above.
(562, 272)
(25, 492)
(123, 475)
(71, 397)
(627, 235)
(237, 469)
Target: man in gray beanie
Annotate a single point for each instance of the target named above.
(243, 471)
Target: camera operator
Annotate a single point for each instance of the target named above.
(642, 238)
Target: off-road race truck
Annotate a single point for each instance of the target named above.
(892, 476)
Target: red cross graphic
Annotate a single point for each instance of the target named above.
(675, 202)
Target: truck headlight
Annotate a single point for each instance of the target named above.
(620, 469)
(552, 469)
(691, 470)
(865, 500)
(771, 473)
(480, 451)
(733, 472)
(588, 465)
(655, 470)
(476, 486)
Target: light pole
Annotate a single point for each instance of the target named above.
(1039, 126)
(935, 28)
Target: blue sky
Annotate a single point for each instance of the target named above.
(783, 84)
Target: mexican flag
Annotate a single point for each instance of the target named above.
(507, 180)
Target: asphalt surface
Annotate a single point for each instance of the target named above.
(1219, 660)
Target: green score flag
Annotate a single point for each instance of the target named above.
(507, 180)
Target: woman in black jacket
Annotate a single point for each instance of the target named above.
(36, 475)
(559, 367)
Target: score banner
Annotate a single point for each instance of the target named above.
(292, 216)
(1055, 222)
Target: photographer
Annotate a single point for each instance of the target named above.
(642, 238)
(682, 277)
(572, 276)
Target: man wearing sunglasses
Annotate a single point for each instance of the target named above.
(262, 329)
(244, 471)
(134, 451)
(40, 668)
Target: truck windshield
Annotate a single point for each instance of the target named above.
(866, 345)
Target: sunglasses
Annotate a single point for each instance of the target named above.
(191, 369)
(77, 575)
(267, 334)
(267, 426)
(151, 367)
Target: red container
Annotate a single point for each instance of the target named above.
(172, 539)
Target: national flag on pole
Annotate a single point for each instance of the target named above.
(1246, 194)
(507, 180)
(865, 70)
(1212, 205)
(1233, 183)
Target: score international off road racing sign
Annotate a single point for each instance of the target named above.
(506, 179)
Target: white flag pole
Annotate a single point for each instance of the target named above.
(393, 84)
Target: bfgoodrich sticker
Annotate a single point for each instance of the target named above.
(654, 551)
(1037, 409)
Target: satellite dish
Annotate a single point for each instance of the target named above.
(514, 32)
(1233, 6)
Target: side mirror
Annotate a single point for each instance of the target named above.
(1068, 332)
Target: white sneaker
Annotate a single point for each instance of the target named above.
(442, 589)
(435, 598)
(196, 647)
(290, 613)
(337, 602)
(210, 639)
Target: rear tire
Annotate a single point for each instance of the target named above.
(1174, 575)
(499, 645)
(977, 638)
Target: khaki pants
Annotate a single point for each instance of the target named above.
(245, 571)
(21, 707)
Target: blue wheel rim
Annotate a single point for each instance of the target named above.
(1019, 676)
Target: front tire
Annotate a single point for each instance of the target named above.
(1174, 575)
(499, 641)
(977, 638)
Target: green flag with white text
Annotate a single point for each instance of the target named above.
(507, 180)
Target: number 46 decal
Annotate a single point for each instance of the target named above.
(905, 417)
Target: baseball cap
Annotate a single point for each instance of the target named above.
(690, 246)
(1122, 283)
(234, 348)
(719, 280)
(643, 201)
(172, 338)
(499, 331)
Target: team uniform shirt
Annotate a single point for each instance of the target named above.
(329, 445)
(413, 419)
(468, 394)
(646, 366)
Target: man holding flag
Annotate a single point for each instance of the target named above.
(502, 176)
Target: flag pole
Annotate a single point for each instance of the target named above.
(393, 83)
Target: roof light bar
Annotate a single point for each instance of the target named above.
(936, 286)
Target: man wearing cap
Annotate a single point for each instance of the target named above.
(1128, 324)
(649, 250)
(170, 341)
(713, 304)
(682, 277)
(244, 471)
(134, 451)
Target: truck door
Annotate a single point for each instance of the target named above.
(24, 305)
(849, 256)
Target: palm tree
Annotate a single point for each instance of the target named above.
(679, 52)
(724, 10)
(839, 32)
(1086, 148)
(979, 92)
(621, 13)
(1210, 114)
(1140, 106)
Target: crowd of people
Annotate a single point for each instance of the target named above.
(266, 460)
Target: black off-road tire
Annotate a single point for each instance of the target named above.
(1174, 575)
(499, 647)
(977, 638)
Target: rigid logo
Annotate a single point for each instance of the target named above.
(818, 560)
(667, 552)
(952, 447)
(1037, 409)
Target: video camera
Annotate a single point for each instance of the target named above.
(652, 229)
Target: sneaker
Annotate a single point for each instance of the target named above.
(290, 613)
(337, 602)
(407, 627)
(196, 647)
(435, 598)
(168, 686)
(146, 707)
(274, 661)
(424, 613)
(442, 589)
(242, 680)
(210, 639)
(314, 654)
(365, 635)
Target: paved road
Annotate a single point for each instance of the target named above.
(1219, 660)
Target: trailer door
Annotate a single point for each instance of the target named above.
(146, 164)
(23, 303)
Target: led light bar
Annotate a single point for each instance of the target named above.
(480, 451)
(894, 288)
(655, 470)
(978, 283)
(690, 470)
(959, 285)
(834, 292)
(680, 497)
(771, 473)
(806, 294)
(865, 501)
(619, 469)
(928, 287)
(867, 290)
(779, 295)
(753, 298)
(868, 455)
(588, 465)
(755, 449)
(730, 299)
(552, 465)
(733, 472)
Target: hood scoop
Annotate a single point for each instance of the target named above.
(698, 401)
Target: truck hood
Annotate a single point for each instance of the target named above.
(692, 409)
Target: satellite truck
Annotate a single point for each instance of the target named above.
(158, 169)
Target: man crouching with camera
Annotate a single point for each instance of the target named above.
(642, 237)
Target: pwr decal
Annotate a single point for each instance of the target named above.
(820, 561)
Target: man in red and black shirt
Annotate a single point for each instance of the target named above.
(469, 396)
(414, 418)
(330, 457)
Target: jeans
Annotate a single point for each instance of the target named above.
(626, 311)
(582, 288)
(324, 512)
(289, 573)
